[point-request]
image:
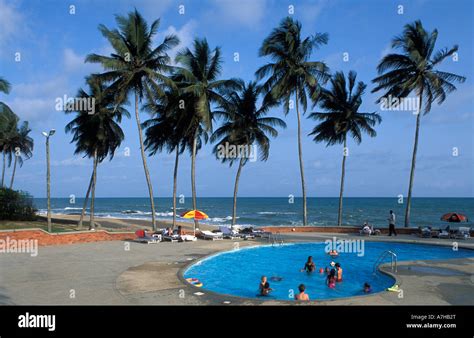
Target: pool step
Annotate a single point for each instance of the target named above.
(275, 239)
(393, 261)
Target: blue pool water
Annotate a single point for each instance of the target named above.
(238, 272)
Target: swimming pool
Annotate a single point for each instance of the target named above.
(238, 272)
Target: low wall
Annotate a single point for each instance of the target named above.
(44, 238)
(334, 229)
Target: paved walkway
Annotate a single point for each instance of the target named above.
(123, 273)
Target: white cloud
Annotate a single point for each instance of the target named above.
(72, 162)
(311, 10)
(185, 35)
(35, 101)
(244, 12)
(10, 21)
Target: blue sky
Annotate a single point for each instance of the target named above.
(53, 43)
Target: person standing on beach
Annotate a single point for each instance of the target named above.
(391, 224)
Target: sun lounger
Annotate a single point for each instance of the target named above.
(462, 233)
(212, 235)
(227, 232)
(172, 239)
(142, 237)
(425, 232)
(187, 238)
(444, 234)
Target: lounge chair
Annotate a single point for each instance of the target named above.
(142, 237)
(212, 235)
(365, 231)
(227, 232)
(187, 238)
(462, 233)
(425, 232)
(170, 238)
(444, 234)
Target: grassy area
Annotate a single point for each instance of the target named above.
(15, 225)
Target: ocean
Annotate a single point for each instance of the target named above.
(277, 211)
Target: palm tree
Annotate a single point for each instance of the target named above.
(4, 85)
(341, 117)
(19, 145)
(8, 121)
(415, 70)
(197, 75)
(8, 129)
(166, 130)
(136, 67)
(244, 125)
(96, 135)
(291, 73)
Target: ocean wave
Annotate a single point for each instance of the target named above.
(220, 219)
(276, 213)
(72, 208)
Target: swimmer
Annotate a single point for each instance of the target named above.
(331, 279)
(309, 266)
(264, 287)
(367, 288)
(302, 295)
(338, 272)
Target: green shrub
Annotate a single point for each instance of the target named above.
(16, 205)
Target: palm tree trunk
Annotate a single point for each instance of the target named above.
(145, 166)
(94, 180)
(175, 184)
(341, 191)
(84, 206)
(3, 169)
(413, 161)
(193, 180)
(300, 154)
(236, 187)
(13, 172)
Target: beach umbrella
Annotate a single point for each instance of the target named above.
(194, 214)
(454, 217)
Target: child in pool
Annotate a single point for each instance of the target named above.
(331, 279)
(367, 288)
(338, 272)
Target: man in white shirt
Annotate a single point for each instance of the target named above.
(391, 224)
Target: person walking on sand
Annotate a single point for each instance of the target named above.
(391, 224)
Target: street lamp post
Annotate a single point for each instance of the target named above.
(48, 176)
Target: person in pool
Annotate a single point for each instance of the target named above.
(367, 288)
(331, 279)
(309, 266)
(302, 295)
(264, 287)
(338, 272)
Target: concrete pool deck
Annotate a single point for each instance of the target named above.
(128, 273)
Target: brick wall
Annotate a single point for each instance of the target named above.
(44, 238)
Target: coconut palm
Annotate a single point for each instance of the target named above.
(245, 126)
(137, 67)
(96, 135)
(198, 75)
(8, 128)
(291, 73)
(8, 121)
(415, 70)
(20, 147)
(341, 117)
(166, 130)
(4, 85)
